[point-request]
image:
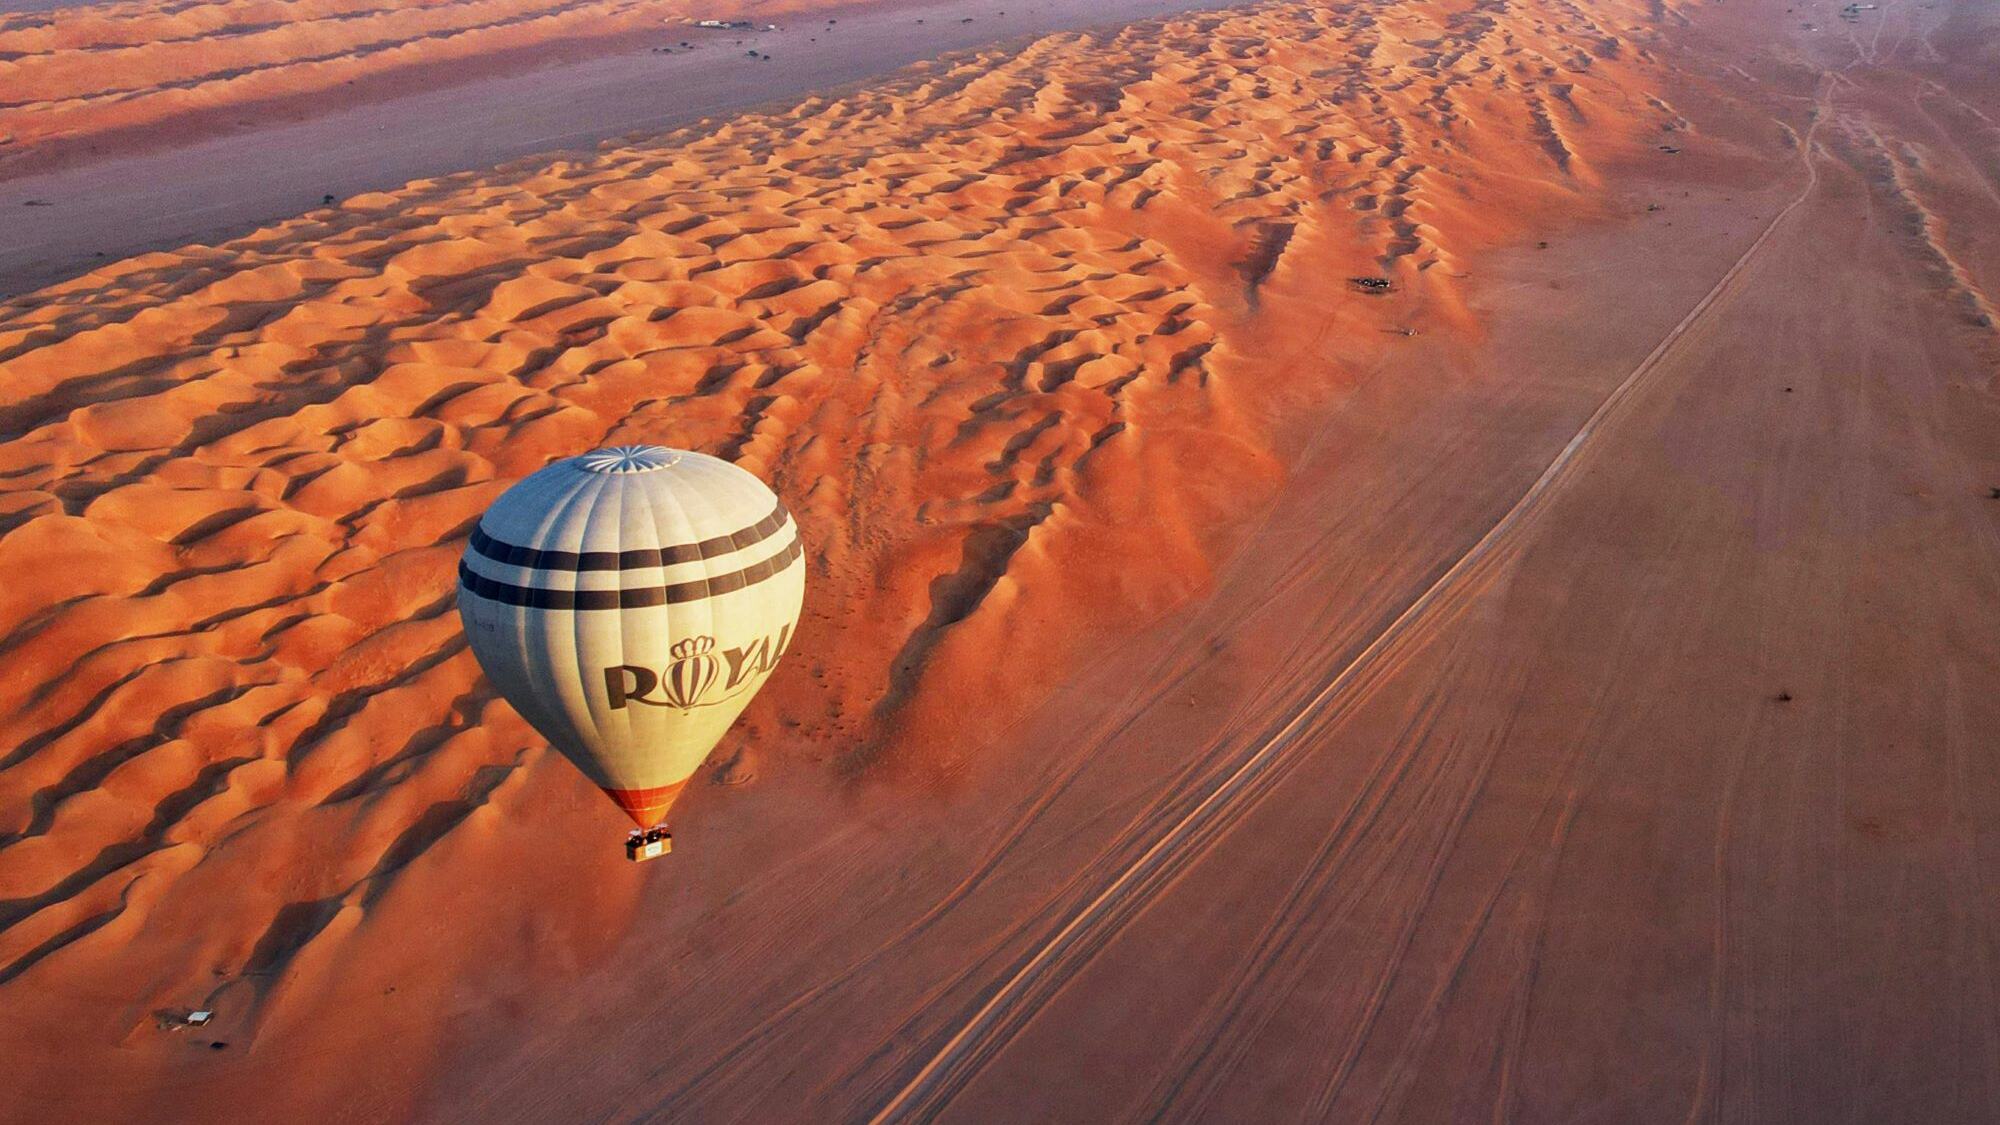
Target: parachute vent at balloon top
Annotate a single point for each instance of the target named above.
(629, 459)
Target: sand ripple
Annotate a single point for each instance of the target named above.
(68, 75)
(1008, 335)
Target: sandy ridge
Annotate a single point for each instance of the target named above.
(75, 74)
(1005, 334)
(950, 1067)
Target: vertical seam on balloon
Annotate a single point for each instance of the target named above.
(553, 516)
(601, 483)
(715, 519)
(626, 715)
(680, 500)
(699, 497)
(665, 610)
(557, 521)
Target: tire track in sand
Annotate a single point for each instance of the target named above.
(1008, 1007)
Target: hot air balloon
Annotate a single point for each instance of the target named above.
(629, 603)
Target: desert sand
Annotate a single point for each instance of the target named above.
(204, 176)
(1559, 687)
(110, 74)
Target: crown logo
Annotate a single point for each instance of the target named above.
(692, 673)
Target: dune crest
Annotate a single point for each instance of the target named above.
(1012, 335)
(196, 65)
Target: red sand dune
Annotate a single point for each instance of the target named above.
(107, 75)
(1109, 475)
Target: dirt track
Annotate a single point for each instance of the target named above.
(1592, 726)
(1668, 798)
(1186, 839)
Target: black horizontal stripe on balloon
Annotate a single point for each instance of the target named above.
(534, 597)
(513, 554)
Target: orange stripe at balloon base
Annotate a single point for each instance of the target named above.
(647, 807)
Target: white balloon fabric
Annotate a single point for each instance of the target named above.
(629, 603)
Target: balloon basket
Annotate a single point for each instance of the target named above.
(650, 844)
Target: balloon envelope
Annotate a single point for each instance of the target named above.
(629, 603)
